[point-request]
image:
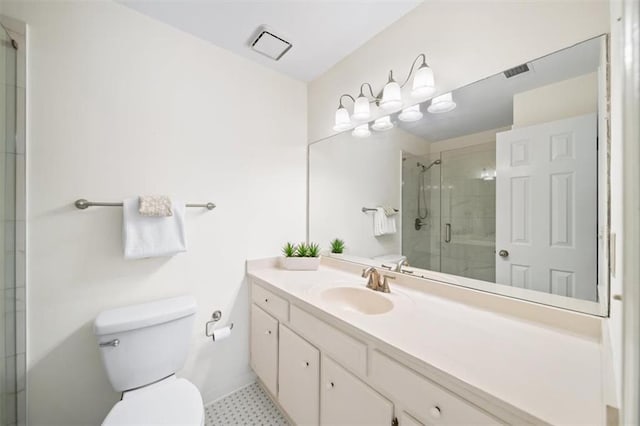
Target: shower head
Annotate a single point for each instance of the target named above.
(425, 168)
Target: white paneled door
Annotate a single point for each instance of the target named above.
(546, 207)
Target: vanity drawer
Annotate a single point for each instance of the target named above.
(422, 397)
(275, 305)
(343, 348)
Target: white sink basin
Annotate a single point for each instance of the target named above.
(362, 300)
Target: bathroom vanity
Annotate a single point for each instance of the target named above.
(331, 351)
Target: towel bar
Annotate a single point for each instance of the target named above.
(369, 209)
(83, 204)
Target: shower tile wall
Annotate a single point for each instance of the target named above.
(12, 147)
(469, 205)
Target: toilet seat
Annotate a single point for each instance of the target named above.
(171, 401)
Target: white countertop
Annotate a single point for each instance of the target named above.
(552, 374)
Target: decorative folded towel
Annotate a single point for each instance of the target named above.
(146, 236)
(389, 211)
(383, 224)
(155, 205)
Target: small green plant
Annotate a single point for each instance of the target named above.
(289, 250)
(302, 250)
(314, 249)
(337, 246)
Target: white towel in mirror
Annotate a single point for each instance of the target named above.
(148, 236)
(383, 224)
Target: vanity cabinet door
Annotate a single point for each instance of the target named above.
(299, 378)
(346, 400)
(264, 347)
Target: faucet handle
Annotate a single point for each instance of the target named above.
(385, 283)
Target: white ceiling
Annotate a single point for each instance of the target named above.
(322, 31)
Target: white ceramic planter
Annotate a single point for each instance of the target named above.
(300, 263)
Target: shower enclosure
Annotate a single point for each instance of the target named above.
(12, 348)
(449, 211)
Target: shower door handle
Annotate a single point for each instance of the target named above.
(447, 233)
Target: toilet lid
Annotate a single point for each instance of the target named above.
(169, 402)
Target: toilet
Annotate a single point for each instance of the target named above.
(142, 346)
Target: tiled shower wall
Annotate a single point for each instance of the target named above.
(14, 228)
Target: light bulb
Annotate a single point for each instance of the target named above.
(361, 109)
(391, 97)
(423, 83)
(382, 124)
(342, 119)
(442, 103)
(412, 113)
(361, 131)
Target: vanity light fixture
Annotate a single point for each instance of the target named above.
(382, 124)
(412, 113)
(361, 131)
(390, 97)
(442, 103)
(342, 121)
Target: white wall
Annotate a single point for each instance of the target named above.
(120, 105)
(563, 99)
(464, 41)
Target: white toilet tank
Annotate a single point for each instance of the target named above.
(141, 344)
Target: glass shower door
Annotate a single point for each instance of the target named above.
(468, 211)
(8, 375)
(421, 210)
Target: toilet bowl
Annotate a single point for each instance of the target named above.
(142, 346)
(171, 401)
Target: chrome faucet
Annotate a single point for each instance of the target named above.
(376, 281)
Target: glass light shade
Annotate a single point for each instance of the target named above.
(361, 131)
(391, 97)
(342, 120)
(412, 113)
(361, 109)
(382, 124)
(442, 103)
(423, 83)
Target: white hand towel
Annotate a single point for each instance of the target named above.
(383, 224)
(146, 236)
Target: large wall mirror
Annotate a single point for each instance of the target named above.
(507, 192)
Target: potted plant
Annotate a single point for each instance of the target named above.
(337, 247)
(301, 257)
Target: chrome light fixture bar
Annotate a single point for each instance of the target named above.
(389, 99)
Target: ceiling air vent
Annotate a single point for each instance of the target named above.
(516, 70)
(270, 44)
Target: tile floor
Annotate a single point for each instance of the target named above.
(247, 406)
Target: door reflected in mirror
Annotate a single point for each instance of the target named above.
(507, 188)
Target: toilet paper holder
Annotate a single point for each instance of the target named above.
(215, 317)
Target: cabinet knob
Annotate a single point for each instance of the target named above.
(267, 332)
(435, 412)
(330, 385)
(266, 300)
(503, 253)
(305, 363)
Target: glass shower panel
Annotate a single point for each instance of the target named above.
(468, 212)
(421, 211)
(8, 374)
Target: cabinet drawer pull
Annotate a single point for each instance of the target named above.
(435, 412)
